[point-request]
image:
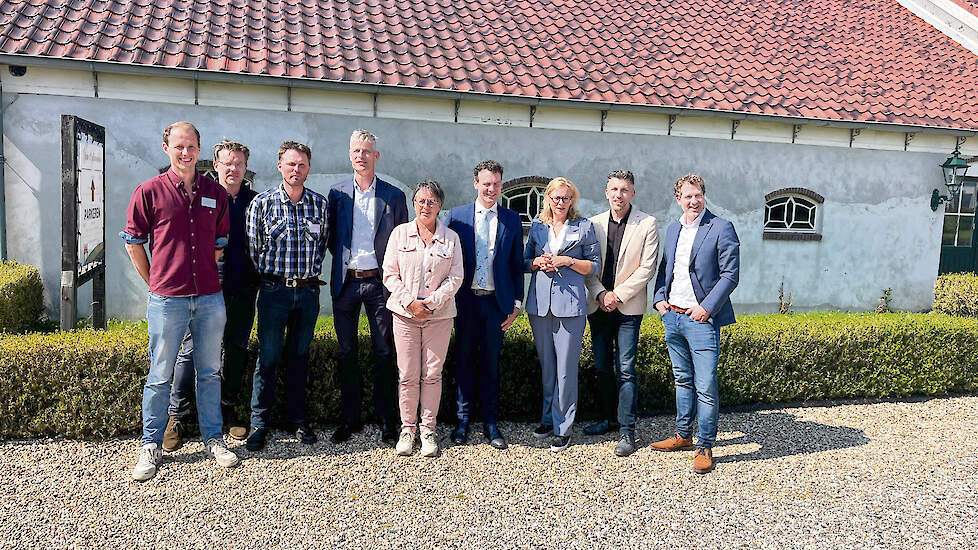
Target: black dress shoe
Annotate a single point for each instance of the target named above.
(601, 428)
(344, 432)
(389, 431)
(460, 435)
(543, 431)
(495, 438)
(306, 434)
(256, 439)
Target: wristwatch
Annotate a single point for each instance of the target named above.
(572, 262)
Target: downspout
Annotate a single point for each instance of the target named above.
(3, 194)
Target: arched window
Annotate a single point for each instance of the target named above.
(525, 196)
(206, 167)
(794, 214)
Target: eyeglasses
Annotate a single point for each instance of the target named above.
(557, 199)
(426, 202)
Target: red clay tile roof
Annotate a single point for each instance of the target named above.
(970, 5)
(848, 60)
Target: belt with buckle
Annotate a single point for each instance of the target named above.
(292, 282)
(362, 273)
(481, 292)
(677, 309)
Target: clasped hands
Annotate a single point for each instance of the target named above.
(418, 310)
(550, 262)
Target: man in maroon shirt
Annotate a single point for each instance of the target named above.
(184, 217)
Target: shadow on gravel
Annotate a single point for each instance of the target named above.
(780, 434)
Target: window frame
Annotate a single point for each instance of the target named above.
(810, 199)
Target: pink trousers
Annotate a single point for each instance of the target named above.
(421, 348)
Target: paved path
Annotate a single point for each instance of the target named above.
(893, 475)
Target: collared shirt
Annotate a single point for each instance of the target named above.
(493, 215)
(287, 240)
(616, 230)
(414, 271)
(183, 232)
(681, 292)
(362, 253)
(555, 240)
(235, 266)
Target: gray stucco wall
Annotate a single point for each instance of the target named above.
(878, 230)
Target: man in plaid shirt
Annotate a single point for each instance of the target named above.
(286, 229)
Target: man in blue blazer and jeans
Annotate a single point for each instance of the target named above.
(363, 210)
(700, 268)
(489, 300)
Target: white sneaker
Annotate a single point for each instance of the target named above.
(150, 458)
(429, 444)
(405, 443)
(221, 453)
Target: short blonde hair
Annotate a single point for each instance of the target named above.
(362, 135)
(688, 179)
(546, 212)
(228, 145)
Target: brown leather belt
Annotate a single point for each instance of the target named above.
(362, 273)
(293, 282)
(677, 309)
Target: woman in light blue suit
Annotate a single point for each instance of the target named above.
(561, 251)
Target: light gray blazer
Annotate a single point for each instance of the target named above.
(563, 295)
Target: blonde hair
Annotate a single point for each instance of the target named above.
(546, 213)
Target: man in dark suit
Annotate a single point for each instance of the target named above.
(700, 268)
(489, 300)
(363, 210)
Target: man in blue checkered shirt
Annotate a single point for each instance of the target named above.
(287, 239)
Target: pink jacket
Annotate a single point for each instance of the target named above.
(413, 271)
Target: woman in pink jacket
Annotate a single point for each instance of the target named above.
(422, 271)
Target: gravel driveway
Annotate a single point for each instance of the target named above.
(863, 475)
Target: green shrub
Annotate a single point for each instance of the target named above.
(957, 294)
(21, 297)
(85, 384)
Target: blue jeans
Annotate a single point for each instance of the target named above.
(694, 349)
(240, 308)
(281, 307)
(169, 319)
(614, 334)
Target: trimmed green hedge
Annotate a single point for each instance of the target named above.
(21, 297)
(957, 294)
(85, 384)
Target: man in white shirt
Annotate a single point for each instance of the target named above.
(489, 300)
(700, 268)
(363, 211)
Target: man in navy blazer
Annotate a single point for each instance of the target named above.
(700, 268)
(363, 211)
(489, 300)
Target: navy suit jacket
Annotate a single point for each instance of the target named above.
(714, 266)
(507, 260)
(391, 212)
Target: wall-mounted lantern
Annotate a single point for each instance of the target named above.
(954, 169)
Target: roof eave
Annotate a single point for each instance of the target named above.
(222, 76)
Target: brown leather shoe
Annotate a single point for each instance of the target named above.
(703, 461)
(173, 436)
(674, 443)
(239, 433)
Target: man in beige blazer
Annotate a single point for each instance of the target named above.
(629, 244)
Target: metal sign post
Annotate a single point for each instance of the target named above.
(82, 217)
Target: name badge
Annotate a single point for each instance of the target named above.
(313, 227)
(208, 202)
